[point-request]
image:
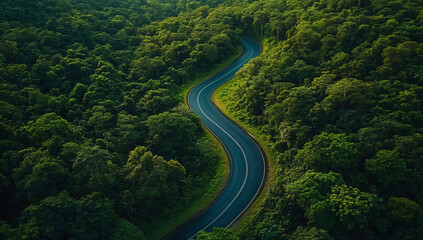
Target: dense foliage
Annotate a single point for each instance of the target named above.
(338, 91)
(95, 144)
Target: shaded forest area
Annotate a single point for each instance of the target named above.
(338, 91)
(96, 144)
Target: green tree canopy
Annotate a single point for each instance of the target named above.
(47, 126)
(346, 208)
(217, 234)
(329, 152)
(313, 187)
(402, 209)
(171, 134)
(152, 183)
(387, 166)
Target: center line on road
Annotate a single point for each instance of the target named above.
(230, 136)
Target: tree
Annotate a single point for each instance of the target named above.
(156, 101)
(7, 232)
(347, 33)
(69, 152)
(298, 104)
(387, 166)
(329, 152)
(175, 52)
(310, 234)
(37, 101)
(204, 54)
(346, 208)
(368, 141)
(48, 177)
(101, 119)
(402, 210)
(349, 94)
(171, 134)
(9, 111)
(78, 92)
(353, 207)
(16, 73)
(39, 175)
(94, 169)
(260, 18)
(277, 24)
(95, 218)
(9, 49)
(152, 184)
(47, 126)
(223, 43)
(313, 187)
(217, 234)
(270, 233)
(127, 231)
(305, 41)
(63, 217)
(127, 134)
(53, 218)
(397, 57)
(106, 85)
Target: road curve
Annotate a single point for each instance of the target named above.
(248, 163)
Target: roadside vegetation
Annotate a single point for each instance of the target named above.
(96, 142)
(338, 91)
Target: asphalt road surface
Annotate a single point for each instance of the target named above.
(248, 164)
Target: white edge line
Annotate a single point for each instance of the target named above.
(243, 152)
(265, 166)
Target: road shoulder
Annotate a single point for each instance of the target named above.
(165, 226)
(222, 103)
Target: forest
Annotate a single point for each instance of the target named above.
(338, 92)
(96, 144)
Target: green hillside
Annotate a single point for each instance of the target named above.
(96, 142)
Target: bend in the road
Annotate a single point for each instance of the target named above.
(248, 166)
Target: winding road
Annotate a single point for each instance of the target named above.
(248, 163)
